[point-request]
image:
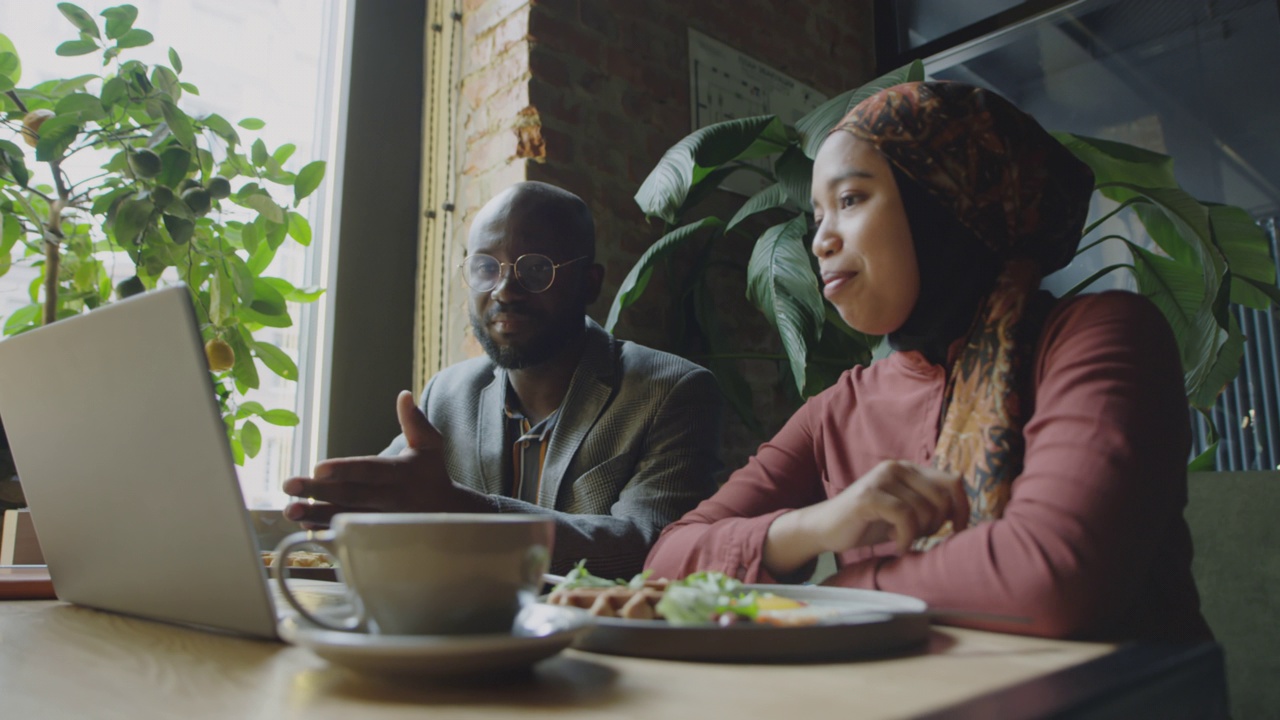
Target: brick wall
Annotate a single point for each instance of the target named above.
(588, 95)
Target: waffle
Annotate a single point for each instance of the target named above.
(618, 602)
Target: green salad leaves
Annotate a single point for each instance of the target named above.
(703, 598)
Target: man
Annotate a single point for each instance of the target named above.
(613, 439)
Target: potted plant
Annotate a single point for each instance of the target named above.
(172, 197)
(1209, 255)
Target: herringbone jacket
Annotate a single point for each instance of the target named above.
(633, 449)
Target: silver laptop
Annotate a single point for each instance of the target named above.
(124, 461)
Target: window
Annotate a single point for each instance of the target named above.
(1175, 76)
(281, 62)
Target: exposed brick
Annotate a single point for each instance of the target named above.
(489, 14)
(565, 35)
(599, 16)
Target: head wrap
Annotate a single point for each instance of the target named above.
(1022, 195)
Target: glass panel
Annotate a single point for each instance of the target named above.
(248, 58)
(923, 21)
(1184, 77)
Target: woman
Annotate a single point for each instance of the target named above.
(1016, 454)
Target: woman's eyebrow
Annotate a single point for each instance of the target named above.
(851, 173)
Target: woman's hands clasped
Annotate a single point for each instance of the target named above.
(895, 500)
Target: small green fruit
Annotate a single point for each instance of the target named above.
(187, 184)
(144, 163)
(131, 285)
(161, 196)
(197, 198)
(219, 188)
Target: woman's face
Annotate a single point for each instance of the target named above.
(863, 242)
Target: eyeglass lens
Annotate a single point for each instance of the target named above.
(534, 272)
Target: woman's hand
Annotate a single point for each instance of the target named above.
(896, 500)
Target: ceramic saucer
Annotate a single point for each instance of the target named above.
(539, 632)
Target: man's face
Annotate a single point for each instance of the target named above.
(518, 328)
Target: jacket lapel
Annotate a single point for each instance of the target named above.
(589, 391)
(491, 440)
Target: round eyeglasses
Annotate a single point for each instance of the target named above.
(535, 272)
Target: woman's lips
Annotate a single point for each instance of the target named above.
(832, 282)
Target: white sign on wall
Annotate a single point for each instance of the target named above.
(725, 84)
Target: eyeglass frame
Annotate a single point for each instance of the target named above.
(502, 273)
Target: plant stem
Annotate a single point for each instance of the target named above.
(53, 243)
(13, 95)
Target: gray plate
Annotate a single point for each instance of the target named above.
(856, 623)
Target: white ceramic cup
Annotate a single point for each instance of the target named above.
(430, 573)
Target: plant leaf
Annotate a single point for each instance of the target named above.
(1205, 461)
(815, 126)
(178, 122)
(1247, 250)
(299, 229)
(56, 135)
(80, 106)
(1114, 162)
(308, 180)
(83, 21)
(769, 198)
(250, 438)
(284, 418)
(72, 48)
(176, 62)
(119, 20)
(781, 283)
(135, 38)
(222, 128)
(689, 161)
(1224, 369)
(637, 279)
(11, 71)
(276, 360)
(252, 124)
(795, 174)
(12, 157)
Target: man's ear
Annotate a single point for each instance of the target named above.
(592, 282)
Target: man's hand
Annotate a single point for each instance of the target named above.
(415, 481)
(896, 500)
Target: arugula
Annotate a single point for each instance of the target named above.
(701, 598)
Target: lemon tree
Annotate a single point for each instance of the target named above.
(172, 196)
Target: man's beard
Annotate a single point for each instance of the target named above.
(555, 335)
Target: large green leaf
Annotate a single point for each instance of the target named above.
(1114, 162)
(769, 198)
(813, 128)
(1245, 246)
(781, 283)
(12, 162)
(689, 161)
(175, 161)
(634, 283)
(1224, 369)
(1178, 290)
(795, 174)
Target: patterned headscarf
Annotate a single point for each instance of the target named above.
(1024, 196)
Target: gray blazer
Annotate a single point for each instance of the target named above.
(634, 448)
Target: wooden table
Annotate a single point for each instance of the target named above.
(63, 661)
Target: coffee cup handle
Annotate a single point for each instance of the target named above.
(280, 568)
